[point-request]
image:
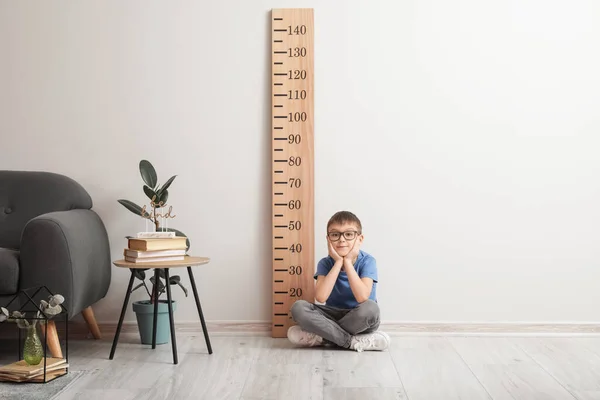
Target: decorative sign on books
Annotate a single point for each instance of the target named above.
(155, 217)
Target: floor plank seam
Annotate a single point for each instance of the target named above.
(472, 372)
(399, 376)
(546, 371)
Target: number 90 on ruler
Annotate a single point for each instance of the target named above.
(292, 162)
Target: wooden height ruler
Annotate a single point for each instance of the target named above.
(293, 159)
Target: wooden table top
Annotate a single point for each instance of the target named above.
(187, 262)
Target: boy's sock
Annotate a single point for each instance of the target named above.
(301, 337)
(370, 341)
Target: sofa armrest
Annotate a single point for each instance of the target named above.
(68, 252)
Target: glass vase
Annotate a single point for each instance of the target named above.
(33, 351)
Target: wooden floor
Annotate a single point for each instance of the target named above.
(415, 368)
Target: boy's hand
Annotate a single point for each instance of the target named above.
(353, 253)
(336, 257)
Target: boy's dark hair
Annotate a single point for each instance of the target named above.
(342, 217)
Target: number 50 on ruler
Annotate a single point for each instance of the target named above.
(292, 162)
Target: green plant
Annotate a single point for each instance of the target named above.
(49, 308)
(158, 196)
(173, 280)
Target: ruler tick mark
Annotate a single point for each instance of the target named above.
(281, 270)
(278, 127)
(278, 237)
(278, 259)
(278, 63)
(278, 19)
(280, 292)
(281, 314)
(279, 215)
(278, 105)
(280, 30)
(278, 303)
(280, 226)
(280, 138)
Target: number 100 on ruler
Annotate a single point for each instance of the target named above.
(292, 162)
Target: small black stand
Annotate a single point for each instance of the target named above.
(170, 305)
(29, 303)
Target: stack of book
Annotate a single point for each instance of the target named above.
(20, 371)
(142, 249)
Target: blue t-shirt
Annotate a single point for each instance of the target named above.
(341, 295)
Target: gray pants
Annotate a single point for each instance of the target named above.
(336, 325)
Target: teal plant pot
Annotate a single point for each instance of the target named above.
(144, 312)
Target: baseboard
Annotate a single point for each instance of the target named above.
(263, 328)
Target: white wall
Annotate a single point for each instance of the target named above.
(464, 134)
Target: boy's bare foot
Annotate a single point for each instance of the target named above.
(377, 341)
(301, 337)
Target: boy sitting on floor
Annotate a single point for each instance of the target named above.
(346, 283)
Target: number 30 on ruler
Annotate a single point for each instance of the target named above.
(292, 162)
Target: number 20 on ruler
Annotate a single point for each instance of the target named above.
(292, 163)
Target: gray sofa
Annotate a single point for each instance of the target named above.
(50, 236)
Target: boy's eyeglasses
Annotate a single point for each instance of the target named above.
(335, 236)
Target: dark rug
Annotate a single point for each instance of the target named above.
(36, 391)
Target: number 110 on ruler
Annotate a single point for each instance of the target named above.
(292, 162)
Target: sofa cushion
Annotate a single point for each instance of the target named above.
(9, 271)
(25, 195)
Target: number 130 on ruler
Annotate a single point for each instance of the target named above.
(292, 162)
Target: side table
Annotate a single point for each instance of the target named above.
(188, 262)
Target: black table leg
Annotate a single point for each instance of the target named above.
(155, 291)
(206, 338)
(116, 339)
(173, 340)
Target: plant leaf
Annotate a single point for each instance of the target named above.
(148, 173)
(151, 194)
(160, 283)
(163, 198)
(22, 323)
(177, 233)
(4, 311)
(174, 279)
(140, 274)
(166, 185)
(182, 288)
(56, 300)
(137, 287)
(134, 208)
(52, 311)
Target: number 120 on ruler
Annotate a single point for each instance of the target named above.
(292, 162)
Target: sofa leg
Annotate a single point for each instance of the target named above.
(90, 319)
(52, 339)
